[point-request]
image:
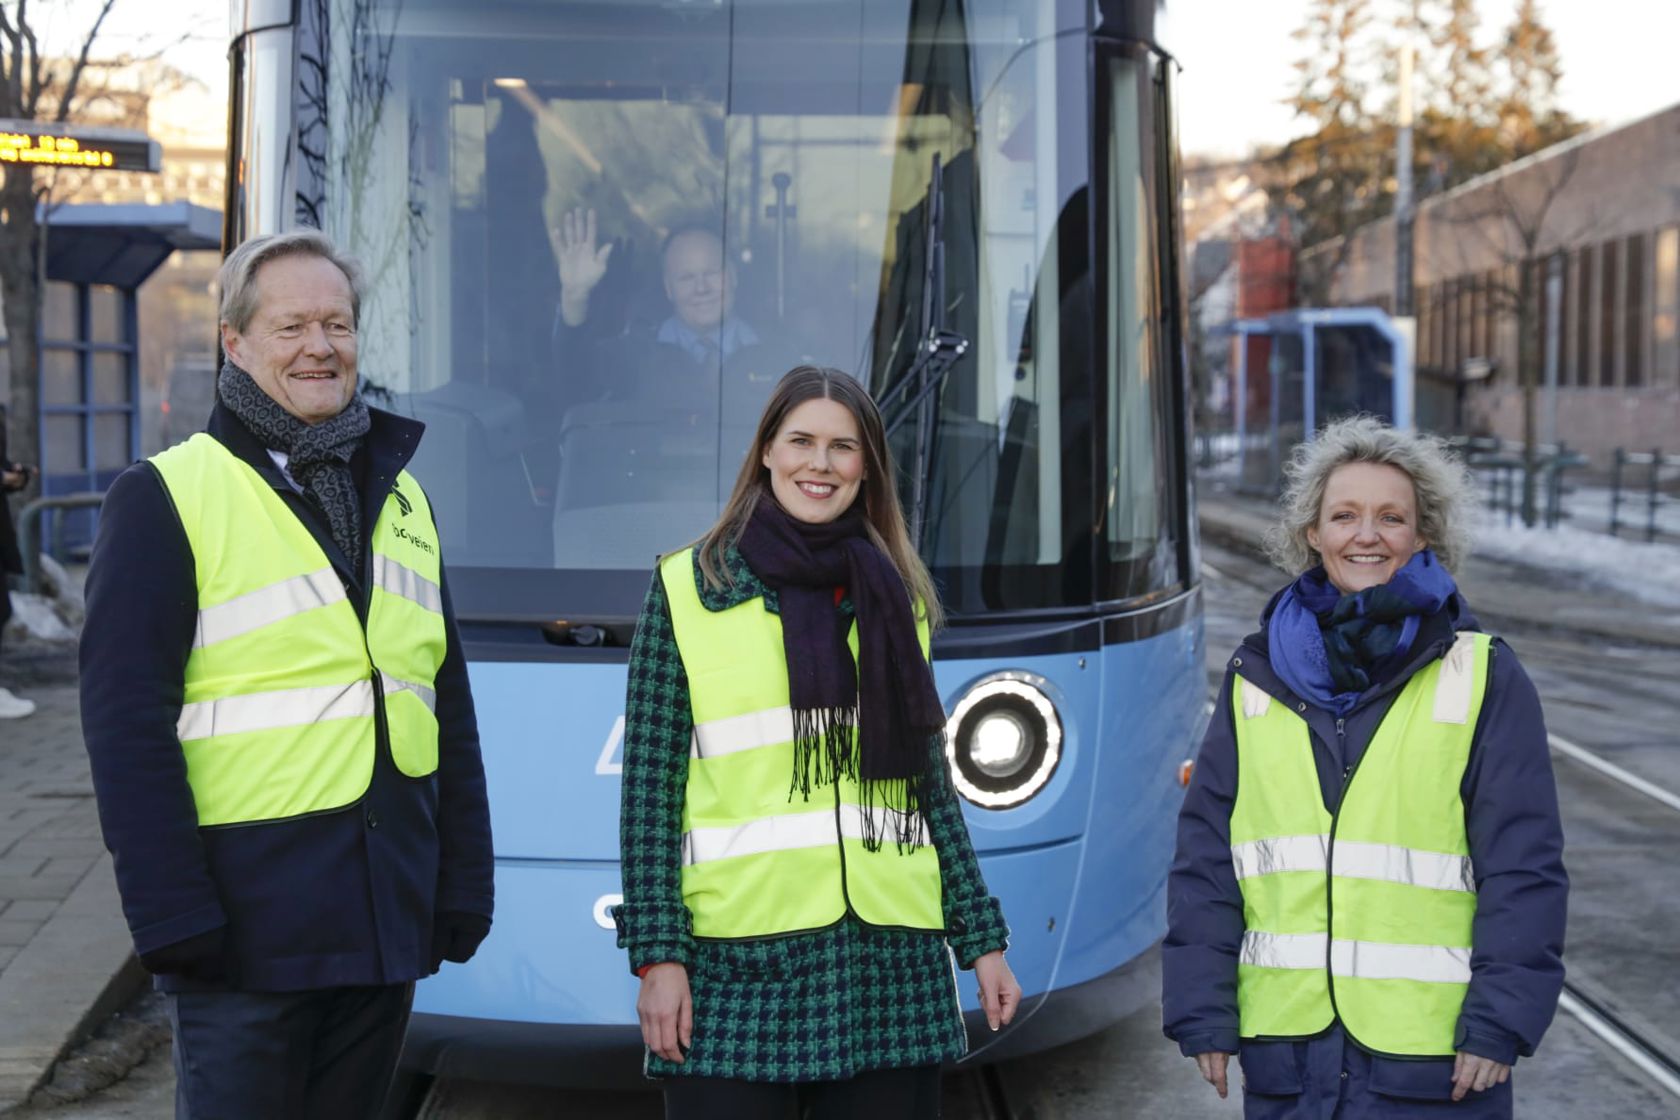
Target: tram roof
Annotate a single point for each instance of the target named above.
(123, 243)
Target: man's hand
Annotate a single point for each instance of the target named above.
(1000, 993)
(1212, 1064)
(202, 956)
(666, 1011)
(456, 935)
(1472, 1071)
(582, 264)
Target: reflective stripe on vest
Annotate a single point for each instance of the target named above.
(266, 605)
(279, 708)
(757, 862)
(1366, 960)
(1354, 860)
(269, 711)
(406, 583)
(1366, 915)
(782, 834)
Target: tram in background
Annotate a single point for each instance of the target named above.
(969, 204)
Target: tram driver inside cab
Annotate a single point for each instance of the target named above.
(673, 361)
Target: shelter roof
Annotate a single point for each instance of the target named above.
(123, 243)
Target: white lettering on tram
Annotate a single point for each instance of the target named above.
(603, 910)
(611, 760)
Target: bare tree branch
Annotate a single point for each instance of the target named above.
(14, 73)
(37, 83)
(69, 97)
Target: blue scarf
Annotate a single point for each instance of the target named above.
(1329, 647)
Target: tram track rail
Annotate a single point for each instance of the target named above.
(1616, 773)
(1655, 1060)
(1656, 1057)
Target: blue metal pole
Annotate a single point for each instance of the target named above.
(1309, 381)
(1240, 405)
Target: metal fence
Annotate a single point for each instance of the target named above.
(1660, 470)
(1505, 468)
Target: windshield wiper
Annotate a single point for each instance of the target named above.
(936, 354)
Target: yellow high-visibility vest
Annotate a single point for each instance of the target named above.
(1366, 915)
(757, 861)
(283, 686)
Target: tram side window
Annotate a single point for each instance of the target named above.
(1139, 509)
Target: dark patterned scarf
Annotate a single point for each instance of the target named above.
(888, 696)
(318, 455)
(1330, 648)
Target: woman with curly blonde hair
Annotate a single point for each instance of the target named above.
(1367, 903)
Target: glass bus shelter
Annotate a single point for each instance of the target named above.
(97, 256)
(1321, 363)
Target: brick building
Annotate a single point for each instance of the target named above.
(1594, 225)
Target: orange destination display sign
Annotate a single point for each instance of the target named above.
(89, 148)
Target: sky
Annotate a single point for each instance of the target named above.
(1238, 61)
(1237, 56)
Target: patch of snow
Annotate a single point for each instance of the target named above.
(1647, 572)
(35, 615)
(65, 591)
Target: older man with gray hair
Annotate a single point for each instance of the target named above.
(276, 708)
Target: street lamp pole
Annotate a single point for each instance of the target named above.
(1403, 215)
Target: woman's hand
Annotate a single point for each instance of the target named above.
(666, 1011)
(1472, 1071)
(1212, 1064)
(1000, 992)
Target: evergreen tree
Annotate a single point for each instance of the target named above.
(1333, 179)
(1480, 105)
(1528, 114)
(1456, 129)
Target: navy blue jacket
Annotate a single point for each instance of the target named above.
(1516, 846)
(348, 897)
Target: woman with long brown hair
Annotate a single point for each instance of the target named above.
(797, 874)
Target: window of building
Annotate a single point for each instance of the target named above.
(1451, 316)
(1633, 308)
(1420, 301)
(1607, 319)
(1432, 337)
(1665, 307)
(1467, 348)
(1473, 296)
(1583, 316)
(1566, 319)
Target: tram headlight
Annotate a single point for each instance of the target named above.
(1004, 740)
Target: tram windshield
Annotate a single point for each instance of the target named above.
(596, 234)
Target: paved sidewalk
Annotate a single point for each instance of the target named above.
(65, 957)
(1500, 592)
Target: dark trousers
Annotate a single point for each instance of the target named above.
(888, 1094)
(320, 1055)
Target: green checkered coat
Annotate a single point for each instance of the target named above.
(819, 1006)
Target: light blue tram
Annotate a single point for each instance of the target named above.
(972, 205)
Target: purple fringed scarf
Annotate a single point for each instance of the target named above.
(888, 696)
